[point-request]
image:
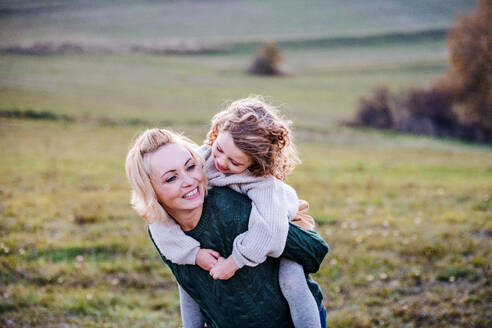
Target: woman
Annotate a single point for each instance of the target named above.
(168, 184)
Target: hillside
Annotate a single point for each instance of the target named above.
(128, 22)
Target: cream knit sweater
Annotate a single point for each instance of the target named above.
(273, 204)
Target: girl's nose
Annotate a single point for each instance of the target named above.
(222, 163)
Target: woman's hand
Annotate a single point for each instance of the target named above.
(206, 258)
(224, 269)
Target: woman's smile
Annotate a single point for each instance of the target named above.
(192, 194)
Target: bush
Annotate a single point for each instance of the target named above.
(266, 60)
(32, 114)
(459, 104)
(427, 112)
(375, 110)
(416, 111)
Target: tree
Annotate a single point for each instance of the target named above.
(470, 74)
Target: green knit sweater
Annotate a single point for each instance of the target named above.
(252, 297)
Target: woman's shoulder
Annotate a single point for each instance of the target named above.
(226, 210)
(224, 201)
(221, 196)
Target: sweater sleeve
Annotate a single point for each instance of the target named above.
(173, 243)
(291, 201)
(305, 247)
(268, 223)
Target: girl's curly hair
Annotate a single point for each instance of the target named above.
(260, 132)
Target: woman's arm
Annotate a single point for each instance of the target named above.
(305, 247)
(190, 311)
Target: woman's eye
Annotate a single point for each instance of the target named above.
(235, 164)
(171, 179)
(219, 149)
(191, 167)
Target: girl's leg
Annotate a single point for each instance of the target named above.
(303, 307)
(190, 311)
(322, 315)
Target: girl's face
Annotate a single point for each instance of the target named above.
(177, 178)
(228, 158)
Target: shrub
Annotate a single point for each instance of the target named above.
(417, 111)
(459, 104)
(32, 114)
(266, 60)
(427, 112)
(375, 110)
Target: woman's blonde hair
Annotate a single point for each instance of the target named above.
(144, 199)
(260, 132)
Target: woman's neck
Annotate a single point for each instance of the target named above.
(187, 219)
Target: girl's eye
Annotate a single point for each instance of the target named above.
(219, 149)
(171, 179)
(191, 167)
(235, 164)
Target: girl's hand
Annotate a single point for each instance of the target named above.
(206, 258)
(302, 219)
(224, 269)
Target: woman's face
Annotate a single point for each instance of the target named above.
(228, 158)
(177, 178)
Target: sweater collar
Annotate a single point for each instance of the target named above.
(202, 223)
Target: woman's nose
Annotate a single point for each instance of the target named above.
(187, 179)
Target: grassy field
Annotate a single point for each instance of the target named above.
(344, 51)
(408, 218)
(127, 22)
(322, 87)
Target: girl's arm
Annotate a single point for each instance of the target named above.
(268, 222)
(267, 229)
(190, 311)
(180, 248)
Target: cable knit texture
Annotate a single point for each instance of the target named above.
(252, 297)
(274, 203)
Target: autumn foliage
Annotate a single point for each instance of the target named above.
(459, 104)
(470, 75)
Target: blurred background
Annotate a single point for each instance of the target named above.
(392, 109)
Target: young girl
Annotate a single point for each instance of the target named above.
(249, 149)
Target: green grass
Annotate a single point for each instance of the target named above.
(338, 58)
(407, 219)
(129, 22)
(321, 88)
